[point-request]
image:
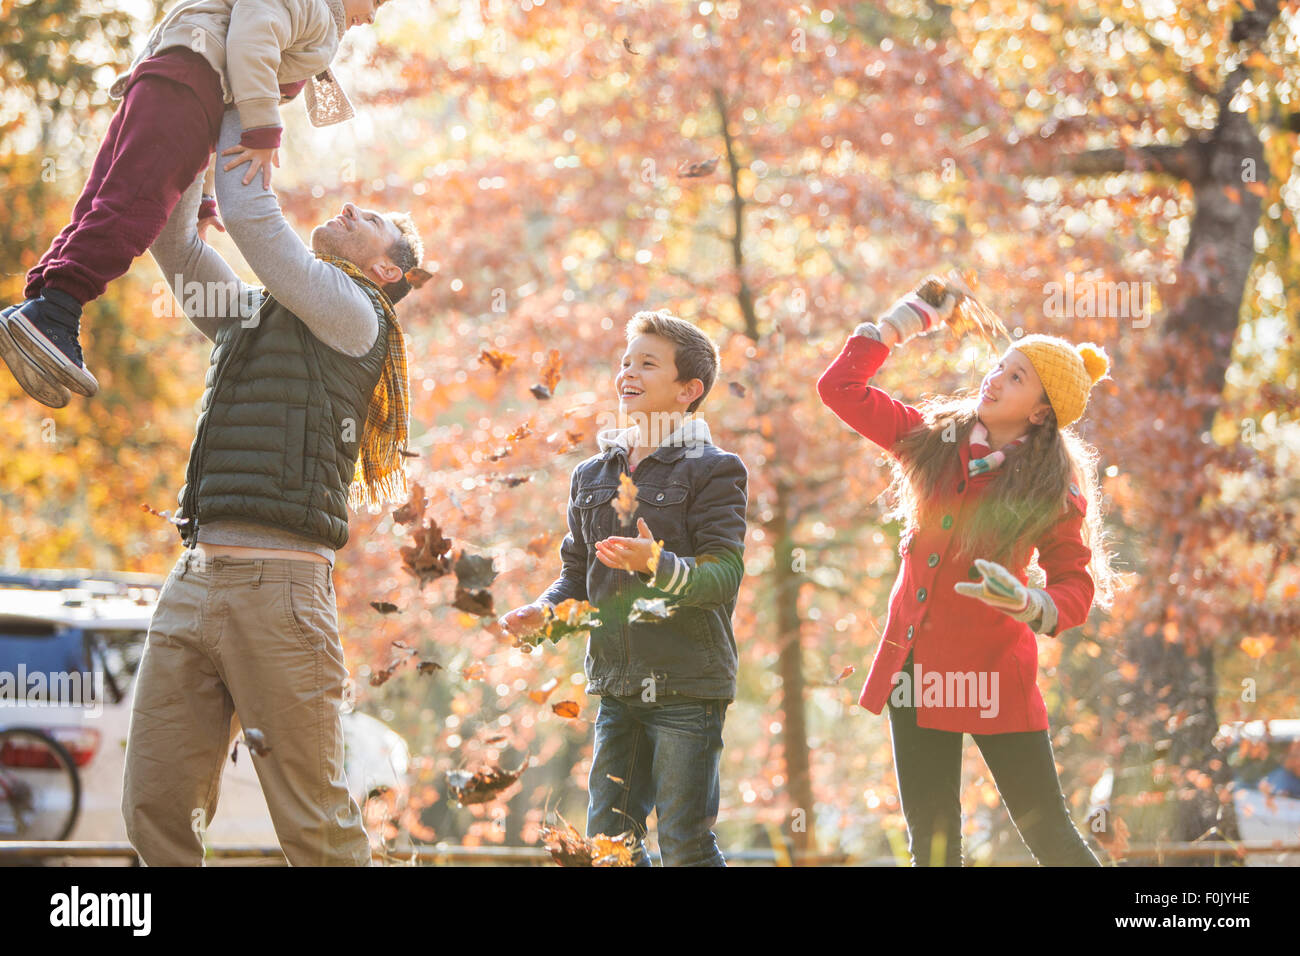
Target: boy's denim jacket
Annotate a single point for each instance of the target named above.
(692, 496)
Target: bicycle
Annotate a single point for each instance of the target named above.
(40, 789)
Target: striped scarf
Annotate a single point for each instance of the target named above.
(979, 446)
(381, 467)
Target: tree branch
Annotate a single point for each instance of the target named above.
(1183, 162)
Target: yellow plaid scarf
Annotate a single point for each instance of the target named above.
(381, 467)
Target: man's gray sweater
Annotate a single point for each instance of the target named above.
(327, 301)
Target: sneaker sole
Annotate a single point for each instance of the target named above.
(28, 373)
(46, 355)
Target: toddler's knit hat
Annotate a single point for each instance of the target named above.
(1067, 372)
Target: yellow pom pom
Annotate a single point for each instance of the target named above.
(1095, 361)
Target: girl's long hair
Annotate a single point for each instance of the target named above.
(1026, 496)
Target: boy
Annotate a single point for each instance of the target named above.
(664, 683)
(252, 54)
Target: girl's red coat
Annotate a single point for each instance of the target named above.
(950, 634)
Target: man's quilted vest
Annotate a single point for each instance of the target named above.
(280, 427)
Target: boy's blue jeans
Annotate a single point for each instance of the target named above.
(661, 755)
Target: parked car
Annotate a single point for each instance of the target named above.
(94, 626)
(1254, 750)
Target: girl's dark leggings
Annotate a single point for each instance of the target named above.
(927, 764)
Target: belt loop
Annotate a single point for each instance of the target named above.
(257, 582)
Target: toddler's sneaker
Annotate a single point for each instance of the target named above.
(28, 373)
(46, 329)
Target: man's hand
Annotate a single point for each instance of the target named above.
(628, 554)
(257, 159)
(523, 621)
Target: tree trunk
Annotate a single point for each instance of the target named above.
(1172, 699)
(794, 725)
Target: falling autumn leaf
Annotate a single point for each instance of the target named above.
(500, 361)
(698, 170)
(650, 609)
(254, 740)
(625, 503)
(737, 389)
(1113, 837)
(1257, 647)
(481, 786)
(430, 557)
(384, 607)
(567, 708)
(474, 575)
(418, 276)
(475, 671)
(652, 563)
(848, 669)
(256, 743)
(413, 510)
(627, 45)
(516, 436)
(540, 695)
(476, 601)
(550, 375)
(539, 545)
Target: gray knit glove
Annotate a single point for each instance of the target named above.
(911, 316)
(999, 588)
(869, 329)
(1040, 614)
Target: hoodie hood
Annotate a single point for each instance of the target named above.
(692, 431)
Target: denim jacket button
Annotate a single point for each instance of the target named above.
(659, 497)
(588, 497)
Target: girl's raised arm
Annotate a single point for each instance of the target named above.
(844, 387)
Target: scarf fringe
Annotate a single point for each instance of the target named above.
(380, 474)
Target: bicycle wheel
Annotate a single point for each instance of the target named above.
(40, 789)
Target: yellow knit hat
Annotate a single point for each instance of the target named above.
(1067, 372)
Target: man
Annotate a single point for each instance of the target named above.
(305, 377)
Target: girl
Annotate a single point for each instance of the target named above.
(252, 54)
(980, 482)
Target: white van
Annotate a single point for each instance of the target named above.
(94, 626)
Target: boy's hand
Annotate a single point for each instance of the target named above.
(257, 159)
(523, 621)
(628, 554)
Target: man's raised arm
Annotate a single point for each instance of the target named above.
(335, 308)
(205, 286)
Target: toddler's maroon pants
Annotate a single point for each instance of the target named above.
(157, 144)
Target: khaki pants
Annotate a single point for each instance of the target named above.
(257, 639)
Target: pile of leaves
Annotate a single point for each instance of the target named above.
(570, 848)
(569, 618)
(969, 315)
